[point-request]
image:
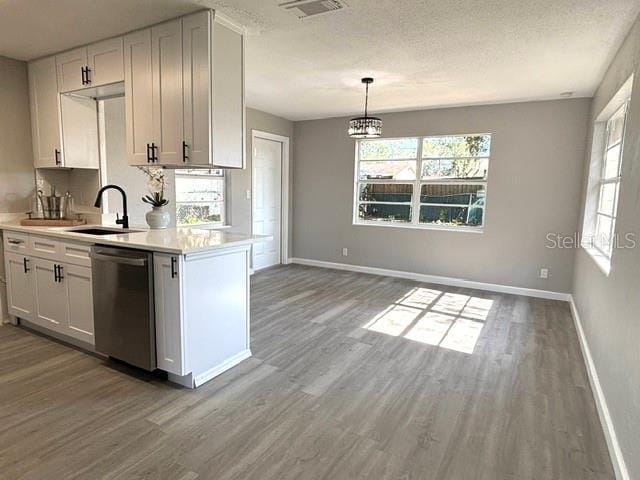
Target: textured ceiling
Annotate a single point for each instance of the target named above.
(422, 53)
(426, 53)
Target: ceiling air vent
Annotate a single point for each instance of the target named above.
(311, 8)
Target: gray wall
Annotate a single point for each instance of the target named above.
(537, 153)
(240, 180)
(609, 306)
(16, 158)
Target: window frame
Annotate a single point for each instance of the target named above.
(417, 183)
(225, 187)
(589, 242)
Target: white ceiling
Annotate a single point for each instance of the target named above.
(422, 53)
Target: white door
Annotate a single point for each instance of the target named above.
(50, 295)
(138, 96)
(45, 113)
(168, 115)
(105, 61)
(70, 67)
(267, 200)
(80, 297)
(19, 285)
(169, 329)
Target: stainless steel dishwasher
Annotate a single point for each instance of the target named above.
(123, 305)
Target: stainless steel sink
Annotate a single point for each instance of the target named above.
(101, 231)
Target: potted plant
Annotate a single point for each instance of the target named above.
(158, 217)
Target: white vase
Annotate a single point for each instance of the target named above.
(158, 218)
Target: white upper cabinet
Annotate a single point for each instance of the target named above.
(166, 50)
(184, 96)
(45, 113)
(98, 64)
(138, 96)
(228, 97)
(197, 105)
(105, 62)
(197, 51)
(71, 69)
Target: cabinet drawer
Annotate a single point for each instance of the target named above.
(44, 247)
(16, 242)
(75, 253)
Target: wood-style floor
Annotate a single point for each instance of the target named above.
(353, 376)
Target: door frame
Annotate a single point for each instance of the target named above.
(284, 192)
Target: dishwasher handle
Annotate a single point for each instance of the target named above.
(136, 262)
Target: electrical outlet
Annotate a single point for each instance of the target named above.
(248, 194)
(345, 251)
(544, 273)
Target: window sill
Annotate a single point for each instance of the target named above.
(409, 226)
(603, 263)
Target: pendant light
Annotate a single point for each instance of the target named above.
(366, 126)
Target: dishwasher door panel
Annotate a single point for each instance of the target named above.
(124, 305)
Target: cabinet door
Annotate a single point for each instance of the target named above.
(228, 97)
(167, 270)
(45, 113)
(196, 45)
(106, 62)
(138, 96)
(50, 296)
(18, 270)
(80, 297)
(69, 66)
(168, 114)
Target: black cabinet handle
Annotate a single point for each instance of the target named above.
(148, 153)
(55, 272)
(85, 75)
(25, 262)
(60, 277)
(154, 152)
(185, 157)
(174, 271)
(57, 157)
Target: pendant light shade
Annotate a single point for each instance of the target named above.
(365, 126)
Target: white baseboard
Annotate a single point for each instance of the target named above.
(450, 281)
(615, 452)
(221, 368)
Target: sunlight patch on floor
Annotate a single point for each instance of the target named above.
(448, 320)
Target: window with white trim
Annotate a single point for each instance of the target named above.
(200, 197)
(430, 182)
(608, 186)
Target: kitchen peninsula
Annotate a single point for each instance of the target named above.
(200, 290)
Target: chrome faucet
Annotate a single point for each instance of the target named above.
(124, 221)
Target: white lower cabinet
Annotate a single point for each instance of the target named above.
(52, 290)
(50, 295)
(202, 312)
(167, 270)
(80, 300)
(19, 273)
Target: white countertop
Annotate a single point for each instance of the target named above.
(181, 240)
